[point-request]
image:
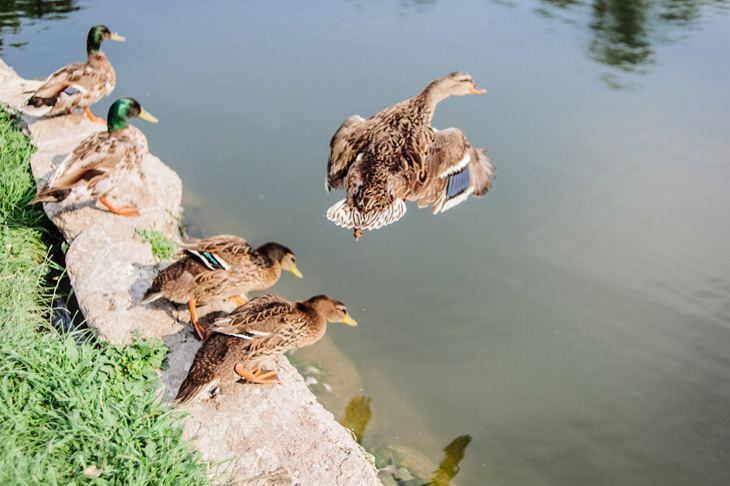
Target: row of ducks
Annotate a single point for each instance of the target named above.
(381, 161)
(234, 346)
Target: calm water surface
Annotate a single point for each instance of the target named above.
(576, 321)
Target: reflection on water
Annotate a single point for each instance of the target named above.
(405, 468)
(417, 5)
(624, 32)
(13, 12)
(449, 466)
(402, 468)
(357, 416)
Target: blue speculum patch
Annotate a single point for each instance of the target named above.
(211, 259)
(70, 90)
(458, 183)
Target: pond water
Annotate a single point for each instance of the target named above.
(575, 322)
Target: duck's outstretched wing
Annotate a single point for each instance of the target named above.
(346, 144)
(456, 170)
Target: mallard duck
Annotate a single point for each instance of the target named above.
(220, 266)
(81, 84)
(263, 328)
(396, 154)
(99, 163)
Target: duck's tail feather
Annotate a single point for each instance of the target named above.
(188, 393)
(150, 297)
(54, 195)
(350, 217)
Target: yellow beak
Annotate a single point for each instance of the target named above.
(349, 320)
(476, 90)
(117, 37)
(296, 271)
(147, 116)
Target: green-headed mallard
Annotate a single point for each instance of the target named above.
(263, 328)
(220, 266)
(396, 154)
(81, 84)
(101, 161)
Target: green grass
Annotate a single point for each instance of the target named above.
(162, 248)
(71, 414)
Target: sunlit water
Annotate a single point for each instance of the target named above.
(576, 320)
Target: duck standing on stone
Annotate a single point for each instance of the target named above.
(102, 161)
(253, 333)
(81, 84)
(220, 266)
(396, 154)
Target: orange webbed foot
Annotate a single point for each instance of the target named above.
(123, 211)
(199, 330)
(257, 376)
(92, 117)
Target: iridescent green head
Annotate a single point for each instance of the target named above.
(122, 110)
(97, 35)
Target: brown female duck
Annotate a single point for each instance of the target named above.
(396, 154)
(220, 266)
(99, 163)
(261, 329)
(81, 84)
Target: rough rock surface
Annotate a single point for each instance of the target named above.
(258, 435)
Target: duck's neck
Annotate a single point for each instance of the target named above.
(116, 122)
(429, 98)
(97, 59)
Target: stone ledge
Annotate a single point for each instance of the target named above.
(260, 435)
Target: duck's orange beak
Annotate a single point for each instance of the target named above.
(476, 90)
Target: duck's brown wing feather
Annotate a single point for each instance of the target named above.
(347, 142)
(206, 364)
(219, 245)
(261, 314)
(183, 272)
(74, 86)
(89, 163)
(455, 171)
(75, 73)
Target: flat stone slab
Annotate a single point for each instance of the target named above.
(252, 434)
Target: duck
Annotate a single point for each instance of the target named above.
(81, 84)
(261, 329)
(396, 155)
(102, 161)
(220, 266)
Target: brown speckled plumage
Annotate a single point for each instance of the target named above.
(99, 163)
(81, 84)
(270, 326)
(396, 154)
(249, 269)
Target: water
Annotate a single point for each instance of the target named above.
(575, 321)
